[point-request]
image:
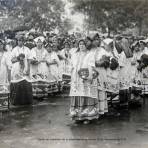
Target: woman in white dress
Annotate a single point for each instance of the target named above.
(100, 53)
(112, 72)
(65, 59)
(39, 72)
(135, 74)
(53, 63)
(38, 61)
(5, 64)
(21, 88)
(139, 64)
(83, 89)
(53, 67)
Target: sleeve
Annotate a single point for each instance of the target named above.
(46, 54)
(56, 58)
(61, 53)
(8, 60)
(92, 62)
(28, 53)
(145, 51)
(91, 65)
(48, 58)
(98, 55)
(72, 61)
(32, 54)
(14, 53)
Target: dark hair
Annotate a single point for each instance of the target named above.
(96, 36)
(66, 42)
(142, 43)
(82, 40)
(89, 39)
(20, 39)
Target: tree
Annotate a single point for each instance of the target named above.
(46, 14)
(113, 14)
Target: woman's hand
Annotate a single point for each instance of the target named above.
(34, 62)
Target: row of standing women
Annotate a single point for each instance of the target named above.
(100, 71)
(30, 71)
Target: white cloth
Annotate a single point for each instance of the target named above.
(16, 73)
(5, 65)
(54, 68)
(108, 41)
(65, 62)
(40, 68)
(78, 86)
(39, 38)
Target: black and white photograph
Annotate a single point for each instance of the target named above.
(73, 73)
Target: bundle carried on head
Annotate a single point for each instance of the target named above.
(103, 62)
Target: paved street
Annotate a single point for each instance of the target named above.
(47, 125)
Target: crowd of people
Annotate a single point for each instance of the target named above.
(101, 69)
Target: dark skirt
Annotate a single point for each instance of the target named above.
(21, 93)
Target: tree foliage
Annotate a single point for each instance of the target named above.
(44, 14)
(116, 15)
